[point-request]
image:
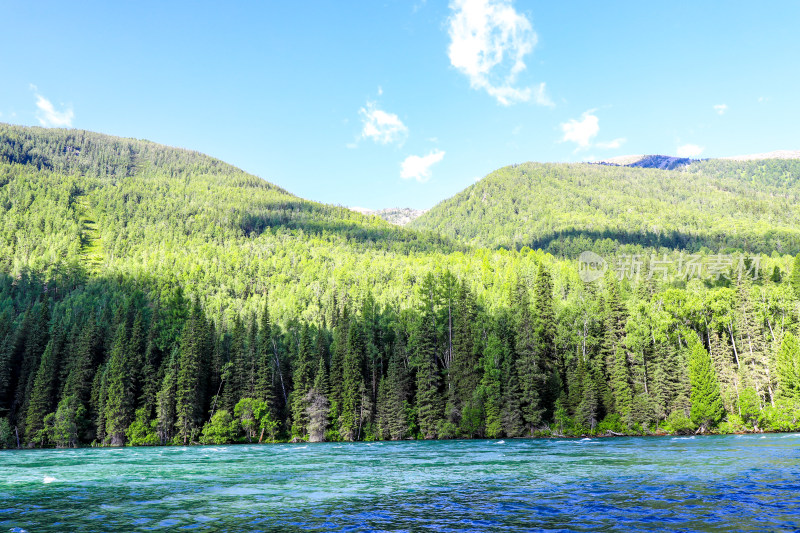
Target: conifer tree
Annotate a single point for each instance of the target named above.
(165, 399)
(706, 410)
(530, 362)
(303, 381)
(119, 403)
(621, 385)
(794, 277)
(352, 384)
(189, 399)
(490, 386)
(787, 363)
(43, 395)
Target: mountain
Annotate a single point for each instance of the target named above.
(154, 295)
(663, 162)
(567, 208)
(175, 216)
(399, 216)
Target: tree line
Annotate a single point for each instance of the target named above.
(571, 360)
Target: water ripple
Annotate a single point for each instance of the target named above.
(627, 484)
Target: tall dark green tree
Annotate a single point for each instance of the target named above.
(120, 399)
(352, 384)
(706, 410)
(43, 395)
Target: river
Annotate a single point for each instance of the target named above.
(722, 483)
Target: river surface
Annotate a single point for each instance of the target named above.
(717, 483)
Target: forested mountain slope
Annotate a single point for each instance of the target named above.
(749, 206)
(151, 295)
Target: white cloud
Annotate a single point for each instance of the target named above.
(48, 116)
(382, 127)
(690, 150)
(488, 43)
(419, 167)
(611, 145)
(582, 131)
(721, 108)
(541, 96)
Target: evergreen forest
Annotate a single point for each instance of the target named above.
(157, 296)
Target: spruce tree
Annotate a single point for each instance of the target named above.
(490, 386)
(794, 277)
(265, 353)
(352, 384)
(706, 410)
(787, 363)
(544, 338)
(302, 378)
(119, 404)
(621, 385)
(165, 399)
(530, 369)
(43, 395)
(189, 392)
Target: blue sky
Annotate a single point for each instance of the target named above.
(405, 103)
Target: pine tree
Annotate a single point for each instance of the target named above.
(490, 386)
(303, 376)
(119, 404)
(430, 408)
(352, 384)
(613, 334)
(787, 363)
(234, 389)
(43, 395)
(529, 362)
(165, 399)
(794, 277)
(397, 385)
(544, 323)
(136, 355)
(338, 351)
(151, 363)
(706, 410)
(621, 385)
(189, 399)
(36, 341)
(265, 353)
(465, 370)
(318, 405)
(588, 411)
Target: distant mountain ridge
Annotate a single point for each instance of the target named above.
(399, 216)
(663, 162)
(653, 202)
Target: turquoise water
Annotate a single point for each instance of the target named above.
(702, 483)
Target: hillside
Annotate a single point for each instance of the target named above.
(152, 295)
(399, 216)
(567, 208)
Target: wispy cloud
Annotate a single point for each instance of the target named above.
(489, 40)
(689, 150)
(419, 167)
(581, 132)
(382, 127)
(611, 145)
(721, 109)
(48, 116)
(541, 97)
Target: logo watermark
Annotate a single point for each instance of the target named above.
(592, 266)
